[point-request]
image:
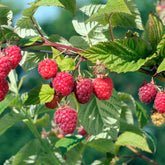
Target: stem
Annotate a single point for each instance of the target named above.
(110, 27)
(152, 75)
(77, 66)
(142, 156)
(3, 34)
(47, 149)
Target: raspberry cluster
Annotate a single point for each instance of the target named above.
(148, 92)
(9, 59)
(64, 84)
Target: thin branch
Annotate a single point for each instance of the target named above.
(77, 66)
(110, 28)
(140, 155)
(48, 52)
(151, 74)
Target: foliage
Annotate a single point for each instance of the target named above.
(110, 123)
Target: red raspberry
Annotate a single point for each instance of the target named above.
(48, 68)
(4, 88)
(82, 131)
(54, 102)
(14, 52)
(147, 91)
(102, 88)
(160, 101)
(5, 66)
(66, 119)
(63, 83)
(83, 90)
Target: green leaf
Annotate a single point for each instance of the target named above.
(125, 15)
(13, 77)
(6, 102)
(39, 94)
(141, 115)
(43, 121)
(79, 42)
(5, 16)
(8, 120)
(25, 28)
(100, 117)
(125, 55)
(67, 4)
(92, 32)
(66, 143)
(29, 11)
(153, 30)
(161, 67)
(31, 149)
(103, 145)
(134, 140)
(152, 139)
(30, 41)
(67, 64)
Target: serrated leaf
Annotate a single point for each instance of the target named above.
(67, 64)
(125, 15)
(5, 16)
(9, 120)
(161, 67)
(25, 28)
(124, 126)
(141, 115)
(67, 4)
(29, 11)
(39, 94)
(100, 117)
(92, 31)
(153, 30)
(134, 140)
(33, 148)
(152, 139)
(6, 102)
(125, 55)
(103, 145)
(66, 143)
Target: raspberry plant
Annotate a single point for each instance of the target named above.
(104, 114)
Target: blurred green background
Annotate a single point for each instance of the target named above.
(58, 21)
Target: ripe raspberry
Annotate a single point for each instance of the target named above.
(83, 90)
(48, 68)
(147, 91)
(5, 66)
(82, 131)
(63, 83)
(157, 119)
(160, 101)
(54, 102)
(14, 52)
(102, 88)
(4, 88)
(66, 118)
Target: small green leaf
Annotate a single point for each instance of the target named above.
(30, 41)
(43, 121)
(141, 115)
(6, 16)
(134, 140)
(67, 64)
(66, 143)
(153, 30)
(48, 3)
(33, 148)
(101, 117)
(29, 11)
(125, 55)
(103, 145)
(161, 67)
(8, 120)
(13, 77)
(40, 94)
(6, 102)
